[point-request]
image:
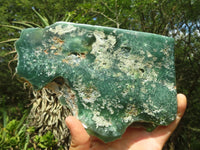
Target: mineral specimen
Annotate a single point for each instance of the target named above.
(113, 77)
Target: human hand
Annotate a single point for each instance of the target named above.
(132, 139)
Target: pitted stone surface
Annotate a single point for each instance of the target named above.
(113, 77)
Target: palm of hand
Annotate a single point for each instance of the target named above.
(133, 138)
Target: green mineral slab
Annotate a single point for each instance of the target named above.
(113, 78)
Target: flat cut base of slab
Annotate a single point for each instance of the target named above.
(113, 77)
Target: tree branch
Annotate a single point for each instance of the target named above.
(112, 20)
(107, 7)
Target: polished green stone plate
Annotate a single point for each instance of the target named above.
(113, 77)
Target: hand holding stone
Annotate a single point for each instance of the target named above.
(132, 139)
(111, 78)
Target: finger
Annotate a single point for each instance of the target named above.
(164, 132)
(182, 103)
(80, 138)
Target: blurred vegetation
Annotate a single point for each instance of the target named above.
(179, 19)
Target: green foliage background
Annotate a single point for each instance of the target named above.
(176, 18)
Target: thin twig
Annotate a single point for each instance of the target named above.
(12, 52)
(94, 11)
(107, 7)
(194, 129)
(112, 20)
(14, 59)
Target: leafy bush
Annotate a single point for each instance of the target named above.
(45, 141)
(15, 135)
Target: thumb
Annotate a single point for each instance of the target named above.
(80, 140)
(165, 132)
(182, 104)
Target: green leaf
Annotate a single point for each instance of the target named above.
(68, 16)
(31, 129)
(13, 27)
(43, 19)
(9, 40)
(42, 145)
(26, 24)
(27, 142)
(21, 122)
(14, 140)
(11, 126)
(37, 138)
(34, 24)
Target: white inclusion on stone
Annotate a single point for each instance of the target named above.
(108, 106)
(147, 110)
(73, 60)
(89, 98)
(150, 76)
(171, 86)
(37, 53)
(128, 119)
(166, 52)
(149, 54)
(88, 95)
(119, 106)
(60, 30)
(100, 120)
(100, 47)
(84, 126)
(145, 44)
(130, 113)
(130, 64)
(154, 109)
